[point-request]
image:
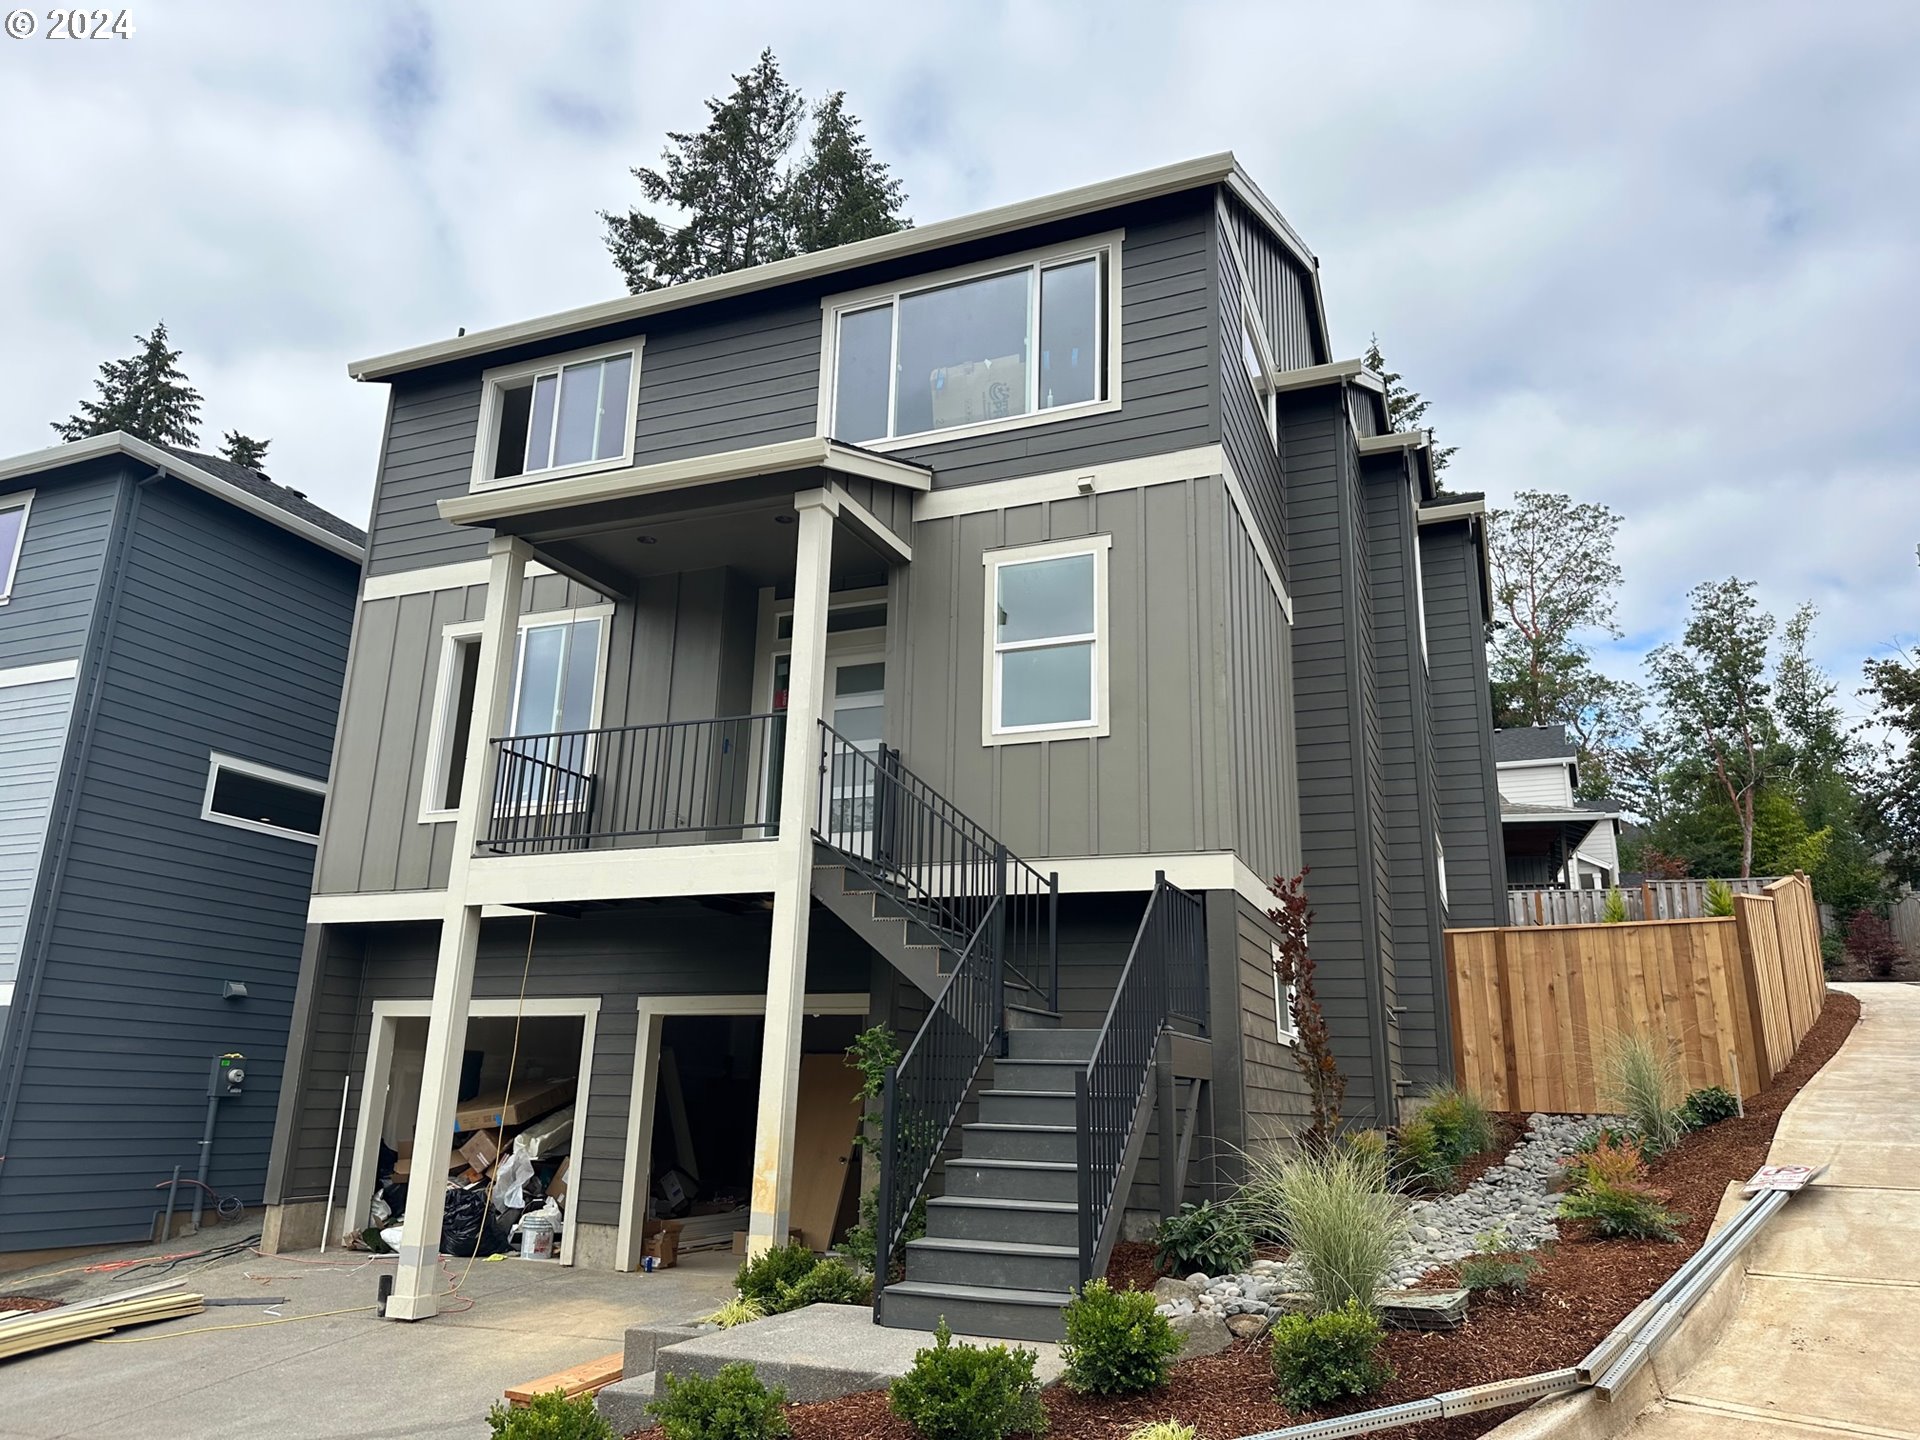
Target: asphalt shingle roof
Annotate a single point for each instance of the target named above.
(1534, 742)
(256, 484)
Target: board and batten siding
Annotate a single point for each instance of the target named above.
(1466, 796)
(229, 635)
(34, 719)
(1336, 735)
(46, 617)
(1162, 780)
(681, 649)
(677, 948)
(747, 372)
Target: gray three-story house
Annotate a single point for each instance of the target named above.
(173, 637)
(954, 632)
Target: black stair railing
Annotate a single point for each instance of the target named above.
(1164, 979)
(944, 870)
(923, 1092)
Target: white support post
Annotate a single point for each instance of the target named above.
(792, 895)
(416, 1284)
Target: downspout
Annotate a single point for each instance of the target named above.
(74, 764)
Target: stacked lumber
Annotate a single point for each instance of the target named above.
(589, 1378)
(90, 1319)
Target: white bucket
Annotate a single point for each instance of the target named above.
(536, 1238)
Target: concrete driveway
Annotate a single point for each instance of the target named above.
(322, 1374)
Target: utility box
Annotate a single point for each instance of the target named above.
(229, 1075)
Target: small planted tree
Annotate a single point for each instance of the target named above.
(1719, 899)
(1871, 942)
(1616, 909)
(1313, 1046)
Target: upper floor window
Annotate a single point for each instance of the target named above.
(258, 797)
(13, 535)
(1260, 370)
(558, 416)
(1046, 641)
(1010, 342)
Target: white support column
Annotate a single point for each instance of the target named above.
(792, 894)
(416, 1285)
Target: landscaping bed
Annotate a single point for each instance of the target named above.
(1583, 1288)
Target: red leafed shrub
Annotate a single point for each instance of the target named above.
(1313, 1051)
(1870, 940)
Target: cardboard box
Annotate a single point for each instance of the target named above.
(557, 1187)
(481, 1151)
(530, 1102)
(403, 1167)
(660, 1241)
(794, 1237)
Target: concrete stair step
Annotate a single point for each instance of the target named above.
(985, 1141)
(1016, 1180)
(975, 1310)
(971, 1217)
(623, 1404)
(1052, 1045)
(995, 1264)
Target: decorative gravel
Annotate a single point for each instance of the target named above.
(1511, 1204)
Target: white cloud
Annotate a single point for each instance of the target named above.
(1667, 258)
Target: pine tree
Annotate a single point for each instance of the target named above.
(840, 193)
(146, 396)
(743, 203)
(1405, 407)
(245, 450)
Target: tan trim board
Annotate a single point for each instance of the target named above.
(1393, 442)
(391, 907)
(744, 867)
(1194, 870)
(869, 525)
(1085, 199)
(1238, 495)
(1313, 377)
(1197, 463)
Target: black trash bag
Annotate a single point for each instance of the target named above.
(394, 1192)
(389, 1157)
(469, 1228)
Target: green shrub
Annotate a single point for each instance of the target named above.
(1205, 1237)
(1117, 1343)
(1708, 1105)
(737, 1311)
(1420, 1159)
(1833, 954)
(1632, 1211)
(732, 1405)
(764, 1278)
(1460, 1120)
(1639, 1077)
(1321, 1358)
(969, 1392)
(1334, 1207)
(1495, 1267)
(828, 1283)
(1719, 899)
(1609, 1159)
(859, 1244)
(1162, 1430)
(550, 1417)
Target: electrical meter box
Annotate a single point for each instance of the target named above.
(229, 1074)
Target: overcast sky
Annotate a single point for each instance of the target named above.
(1666, 257)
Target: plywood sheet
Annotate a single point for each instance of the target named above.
(823, 1136)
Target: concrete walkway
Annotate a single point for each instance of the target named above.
(1825, 1339)
(327, 1376)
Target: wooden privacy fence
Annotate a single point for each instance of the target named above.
(1536, 1007)
(1654, 900)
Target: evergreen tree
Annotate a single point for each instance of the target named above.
(146, 396)
(1893, 684)
(1406, 409)
(245, 450)
(742, 203)
(839, 192)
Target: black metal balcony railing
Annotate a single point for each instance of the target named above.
(716, 779)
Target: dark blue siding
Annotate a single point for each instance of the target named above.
(46, 617)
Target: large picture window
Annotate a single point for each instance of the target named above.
(250, 796)
(560, 416)
(992, 346)
(1046, 641)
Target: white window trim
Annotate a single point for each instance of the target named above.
(21, 500)
(991, 731)
(1266, 392)
(1283, 1025)
(1440, 867)
(1419, 577)
(834, 306)
(432, 782)
(494, 380)
(216, 762)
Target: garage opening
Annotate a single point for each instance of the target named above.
(507, 1166)
(707, 1091)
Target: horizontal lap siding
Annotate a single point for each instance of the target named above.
(1265, 787)
(229, 635)
(1275, 1091)
(45, 618)
(615, 957)
(1464, 775)
(1160, 781)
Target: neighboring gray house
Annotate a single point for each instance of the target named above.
(853, 641)
(1553, 840)
(173, 634)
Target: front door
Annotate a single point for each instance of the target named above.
(854, 704)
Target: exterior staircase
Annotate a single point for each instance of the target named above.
(1002, 1251)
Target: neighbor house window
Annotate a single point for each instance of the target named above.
(1046, 641)
(556, 689)
(559, 416)
(259, 797)
(13, 536)
(1283, 997)
(991, 346)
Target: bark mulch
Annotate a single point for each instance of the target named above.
(18, 1303)
(1583, 1289)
